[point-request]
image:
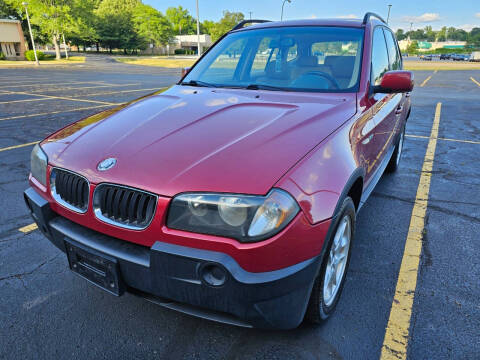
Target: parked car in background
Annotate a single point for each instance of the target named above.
(475, 56)
(460, 57)
(427, 57)
(445, 56)
(233, 194)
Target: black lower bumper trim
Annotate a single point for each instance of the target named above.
(203, 283)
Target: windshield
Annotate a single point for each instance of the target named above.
(321, 59)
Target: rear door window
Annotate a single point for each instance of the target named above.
(393, 54)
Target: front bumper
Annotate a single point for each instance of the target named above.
(177, 277)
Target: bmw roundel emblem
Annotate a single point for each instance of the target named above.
(106, 164)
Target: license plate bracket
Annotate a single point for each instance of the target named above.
(99, 269)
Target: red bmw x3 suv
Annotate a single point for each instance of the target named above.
(233, 194)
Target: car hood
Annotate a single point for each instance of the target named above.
(200, 139)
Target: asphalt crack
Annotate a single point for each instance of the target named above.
(20, 276)
(435, 207)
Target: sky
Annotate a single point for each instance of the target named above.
(437, 13)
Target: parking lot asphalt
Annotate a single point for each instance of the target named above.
(48, 312)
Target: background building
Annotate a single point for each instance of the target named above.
(433, 45)
(12, 42)
(184, 42)
(190, 42)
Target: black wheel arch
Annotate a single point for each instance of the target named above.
(355, 183)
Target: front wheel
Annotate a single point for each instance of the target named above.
(329, 282)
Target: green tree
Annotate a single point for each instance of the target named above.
(456, 34)
(115, 25)
(418, 34)
(441, 34)
(183, 23)
(412, 47)
(52, 17)
(207, 26)
(430, 35)
(226, 23)
(474, 37)
(400, 34)
(152, 25)
(8, 11)
(83, 30)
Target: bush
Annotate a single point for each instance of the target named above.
(30, 55)
(2, 56)
(185, 52)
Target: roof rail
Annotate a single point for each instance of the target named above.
(368, 15)
(241, 24)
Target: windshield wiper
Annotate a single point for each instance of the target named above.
(265, 87)
(197, 83)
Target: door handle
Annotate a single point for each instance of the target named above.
(367, 139)
(399, 110)
(407, 94)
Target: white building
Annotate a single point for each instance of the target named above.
(186, 42)
(191, 42)
(12, 42)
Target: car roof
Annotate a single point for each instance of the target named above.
(357, 23)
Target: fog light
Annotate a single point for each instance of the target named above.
(213, 274)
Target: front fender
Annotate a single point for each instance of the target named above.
(322, 179)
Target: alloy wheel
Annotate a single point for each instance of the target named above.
(337, 260)
(400, 147)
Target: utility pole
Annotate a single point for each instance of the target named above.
(410, 33)
(198, 31)
(388, 16)
(250, 13)
(283, 4)
(25, 4)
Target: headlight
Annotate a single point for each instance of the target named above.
(38, 165)
(242, 217)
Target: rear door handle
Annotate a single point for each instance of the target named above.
(399, 110)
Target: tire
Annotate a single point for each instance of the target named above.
(320, 307)
(397, 153)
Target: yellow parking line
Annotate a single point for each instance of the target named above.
(463, 141)
(63, 98)
(23, 100)
(425, 81)
(87, 95)
(53, 84)
(28, 228)
(417, 136)
(475, 81)
(397, 331)
(444, 139)
(85, 87)
(52, 113)
(18, 146)
(122, 91)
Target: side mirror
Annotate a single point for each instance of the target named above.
(397, 81)
(185, 71)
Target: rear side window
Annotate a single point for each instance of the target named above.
(393, 54)
(380, 62)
